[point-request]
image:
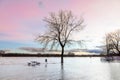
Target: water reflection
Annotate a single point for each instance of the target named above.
(45, 65)
(62, 72)
(114, 71)
(110, 59)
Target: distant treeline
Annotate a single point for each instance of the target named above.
(51, 55)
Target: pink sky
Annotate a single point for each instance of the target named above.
(21, 20)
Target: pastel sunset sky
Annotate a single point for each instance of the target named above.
(22, 20)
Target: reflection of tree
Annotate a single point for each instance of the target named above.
(113, 42)
(62, 72)
(60, 27)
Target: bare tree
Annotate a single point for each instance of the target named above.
(60, 27)
(113, 42)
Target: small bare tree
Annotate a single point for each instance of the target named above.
(113, 42)
(60, 27)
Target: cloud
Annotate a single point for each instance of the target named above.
(2, 34)
(31, 49)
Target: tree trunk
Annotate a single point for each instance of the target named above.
(62, 53)
(119, 53)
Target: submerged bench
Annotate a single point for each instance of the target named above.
(33, 63)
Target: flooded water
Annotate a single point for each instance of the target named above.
(77, 68)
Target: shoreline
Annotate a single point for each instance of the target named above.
(52, 55)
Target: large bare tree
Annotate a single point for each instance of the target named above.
(113, 42)
(60, 26)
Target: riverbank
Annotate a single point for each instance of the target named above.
(52, 55)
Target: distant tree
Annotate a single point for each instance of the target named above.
(109, 46)
(71, 53)
(113, 42)
(2, 52)
(59, 29)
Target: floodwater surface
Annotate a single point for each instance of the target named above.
(74, 68)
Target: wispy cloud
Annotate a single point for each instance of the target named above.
(31, 49)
